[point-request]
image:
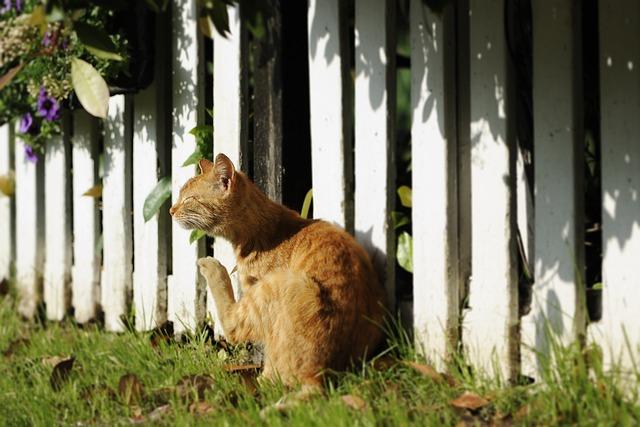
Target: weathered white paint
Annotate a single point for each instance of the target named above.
(229, 122)
(330, 138)
(375, 136)
(6, 204)
(619, 330)
(435, 272)
(29, 230)
(489, 324)
(150, 237)
(185, 286)
(558, 291)
(85, 273)
(57, 200)
(116, 214)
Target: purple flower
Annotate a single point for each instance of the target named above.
(26, 122)
(18, 5)
(7, 6)
(48, 107)
(29, 154)
(47, 39)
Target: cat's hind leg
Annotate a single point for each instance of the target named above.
(241, 321)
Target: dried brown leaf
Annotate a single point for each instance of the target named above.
(91, 391)
(4, 287)
(61, 372)
(190, 383)
(9, 75)
(426, 371)
(200, 408)
(384, 363)
(469, 400)
(157, 413)
(130, 389)
(354, 402)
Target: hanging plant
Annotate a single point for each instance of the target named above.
(63, 53)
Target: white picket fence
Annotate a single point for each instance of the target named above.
(462, 234)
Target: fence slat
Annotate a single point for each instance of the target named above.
(7, 220)
(434, 157)
(229, 122)
(30, 223)
(558, 293)
(329, 109)
(150, 144)
(185, 286)
(116, 214)
(85, 273)
(375, 97)
(619, 330)
(490, 326)
(57, 199)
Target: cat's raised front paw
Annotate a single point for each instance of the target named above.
(212, 270)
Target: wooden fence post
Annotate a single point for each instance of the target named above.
(558, 304)
(434, 169)
(329, 87)
(116, 214)
(150, 144)
(57, 199)
(85, 273)
(30, 223)
(7, 205)
(186, 294)
(618, 333)
(229, 122)
(490, 332)
(375, 100)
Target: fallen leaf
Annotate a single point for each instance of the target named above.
(52, 361)
(200, 383)
(4, 287)
(469, 400)
(14, 346)
(200, 408)
(157, 413)
(384, 363)
(95, 192)
(240, 368)
(61, 372)
(354, 402)
(130, 389)
(91, 391)
(162, 333)
(426, 371)
(6, 78)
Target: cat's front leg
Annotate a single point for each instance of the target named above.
(219, 283)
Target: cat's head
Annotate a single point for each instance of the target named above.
(207, 200)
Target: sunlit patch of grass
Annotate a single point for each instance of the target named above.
(576, 392)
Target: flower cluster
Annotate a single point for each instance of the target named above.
(36, 56)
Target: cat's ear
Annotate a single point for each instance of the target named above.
(205, 166)
(225, 170)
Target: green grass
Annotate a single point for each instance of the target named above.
(396, 395)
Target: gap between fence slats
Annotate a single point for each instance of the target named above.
(7, 205)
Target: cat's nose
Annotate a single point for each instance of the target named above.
(173, 210)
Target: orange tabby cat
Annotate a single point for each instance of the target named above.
(310, 294)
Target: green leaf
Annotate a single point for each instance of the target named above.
(96, 41)
(196, 235)
(156, 198)
(95, 192)
(404, 193)
(90, 87)
(7, 184)
(404, 251)
(597, 286)
(304, 213)
(193, 158)
(220, 17)
(399, 219)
